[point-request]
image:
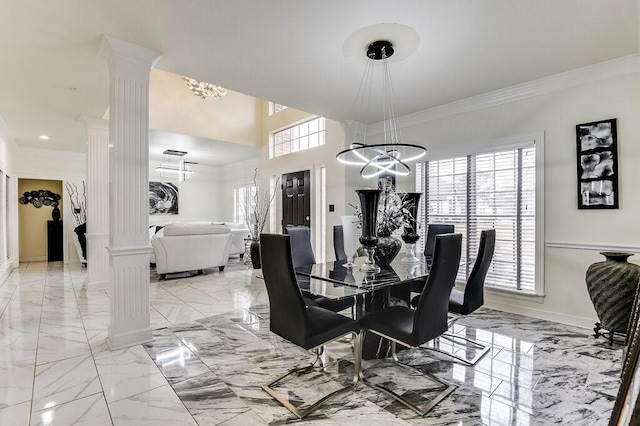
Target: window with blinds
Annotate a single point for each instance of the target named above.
(242, 206)
(488, 191)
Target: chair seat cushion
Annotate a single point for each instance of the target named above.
(456, 302)
(335, 305)
(325, 325)
(396, 322)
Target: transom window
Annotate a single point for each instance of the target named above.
(307, 135)
(275, 108)
(496, 190)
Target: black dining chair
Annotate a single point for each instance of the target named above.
(466, 302)
(310, 327)
(412, 328)
(302, 255)
(433, 230)
(338, 243)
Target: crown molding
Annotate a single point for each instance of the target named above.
(625, 65)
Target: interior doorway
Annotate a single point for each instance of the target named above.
(296, 199)
(40, 232)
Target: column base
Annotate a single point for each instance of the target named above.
(98, 285)
(130, 338)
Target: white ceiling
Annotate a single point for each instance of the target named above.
(291, 51)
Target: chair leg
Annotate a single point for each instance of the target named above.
(484, 349)
(268, 388)
(431, 404)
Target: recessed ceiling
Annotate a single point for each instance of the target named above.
(291, 51)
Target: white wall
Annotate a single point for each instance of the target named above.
(311, 159)
(556, 115)
(199, 198)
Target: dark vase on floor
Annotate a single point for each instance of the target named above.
(369, 207)
(612, 285)
(254, 252)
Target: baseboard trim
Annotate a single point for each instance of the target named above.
(34, 259)
(572, 320)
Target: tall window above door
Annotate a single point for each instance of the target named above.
(300, 137)
(492, 190)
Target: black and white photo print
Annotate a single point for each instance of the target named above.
(597, 160)
(163, 198)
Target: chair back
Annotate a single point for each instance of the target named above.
(338, 243)
(433, 230)
(430, 319)
(301, 250)
(286, 306)
(474, 290)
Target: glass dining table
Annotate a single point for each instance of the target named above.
(371, 291)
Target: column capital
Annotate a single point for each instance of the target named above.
(121, 55)
(94, 122)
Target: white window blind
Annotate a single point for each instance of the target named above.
(242, 197)
(488, 191)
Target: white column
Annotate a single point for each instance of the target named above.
(129, 68)
(97, 203)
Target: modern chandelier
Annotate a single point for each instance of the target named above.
(175, 165)
(392, 156)
(204, 90)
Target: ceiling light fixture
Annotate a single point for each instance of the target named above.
(391, 156)
(204, 90)
(175, 165)
(44, 137)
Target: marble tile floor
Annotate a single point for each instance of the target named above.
(212, 350)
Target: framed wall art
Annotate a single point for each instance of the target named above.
(163, 198)
(597, 159)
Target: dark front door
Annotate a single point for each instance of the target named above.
(296, 199)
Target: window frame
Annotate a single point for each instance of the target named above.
(293, 142)
(237, 208)
(507, 144)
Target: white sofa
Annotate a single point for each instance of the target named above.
(191, 247)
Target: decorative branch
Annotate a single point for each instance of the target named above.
(260, 204)
(78, 202)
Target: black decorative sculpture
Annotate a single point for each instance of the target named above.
(42, 197)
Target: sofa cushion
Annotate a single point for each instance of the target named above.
(191, 229)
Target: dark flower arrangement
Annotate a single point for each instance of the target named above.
(393, 213)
